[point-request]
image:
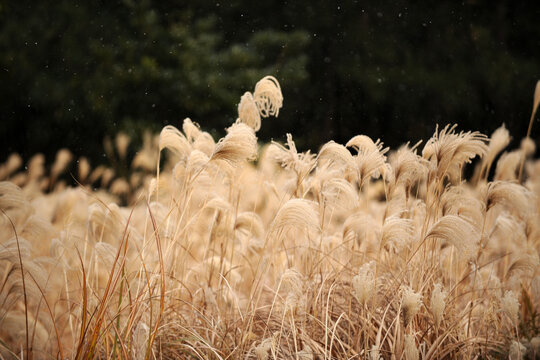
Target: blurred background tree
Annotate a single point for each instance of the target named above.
(75, 71)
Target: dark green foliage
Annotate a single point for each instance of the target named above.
(74, 71)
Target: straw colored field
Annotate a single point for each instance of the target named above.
(356, 252)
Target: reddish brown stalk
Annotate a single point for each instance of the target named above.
(58, 342)
(536, 101)
(111, 285)
(84, 310)
(162, 292)
(28, 350)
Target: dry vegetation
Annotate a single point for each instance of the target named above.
(356, 252)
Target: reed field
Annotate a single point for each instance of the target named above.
(232, 249)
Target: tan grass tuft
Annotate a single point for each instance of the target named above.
(498, 141)
(240, 144)
(121, 142)
(296, 213)
(510, 307)
(171, 138)
(457, 232)
(449, 151)
(411, 352)
(512, 196)
(410, 304)
(363, 283)
(296, 256)
(248, 112)
(84, 169)
(438, 303)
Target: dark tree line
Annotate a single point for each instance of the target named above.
(74, 71)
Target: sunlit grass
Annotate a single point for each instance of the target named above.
(355, 252)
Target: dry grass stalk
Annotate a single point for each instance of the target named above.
(299, 256)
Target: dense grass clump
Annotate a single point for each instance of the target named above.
(357, 252)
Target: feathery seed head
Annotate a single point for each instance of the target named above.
(296, 213)
(517, 351)
(528, 146)
(248, 112)
(13, 163)
(411, 352)
(438, 303)
(84, 168)
(510, 306)
(340, 192)
(396, 231)
(498, 141)
(408, 167)
(122, 141)
(410, 305)
(240, 144)
(459, 233)
(337, 156)
(374, 353)
(268, 97)
(191, 130)
(510, 195)
(371, 159)
(508, 166)
(263, 348)
(172, 139)
(449, 151)
(363, 283)
(36, 167)
(300, 163)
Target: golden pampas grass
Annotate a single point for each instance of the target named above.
(262, 350)
(36, 167)
(121, 142)
(191, 130)
(370, 159)
(13, 163)
(449, 151)
(512, 196)
(171, 138)
(83, 169)
(363, 283)
(248, 112)
(240, 144)
(536, 101)
(508, 166)
(410, 304)
(411, 352)
(459, 233)
(292, 285)
(63, 158)
(296, 213)
(339, 193)
(289, 158)
(297, 255)
(360, 227)
(438, 303)
(120, 187)
(268, 97)
(497, 142)
(337, 153)
(146, 158)
(510, 307)
(396, 232)
(408, 168)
